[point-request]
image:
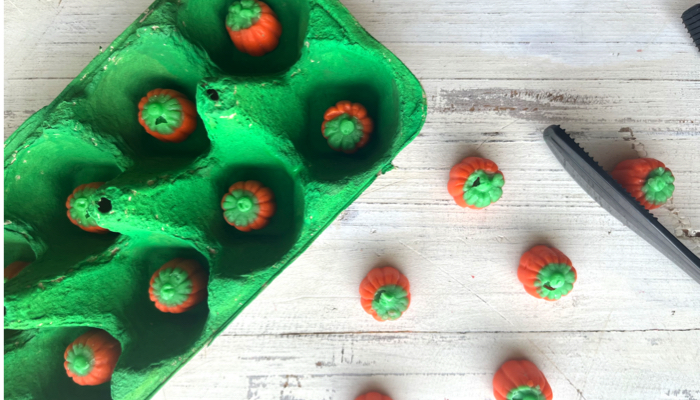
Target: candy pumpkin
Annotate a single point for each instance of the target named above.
(646, 179)
(91, 358)
(14, 268)
(167, 115)
(253, 27)
(78, 203)
(248, 205)
(178, 286)
(347, 126)
(546, 273)
(520, 380)
(475, 183)
(373, 396)
(385, 293)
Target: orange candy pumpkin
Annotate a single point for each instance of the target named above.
(253, 27)
(523, 379)
(347, 127)
(248, 205)
(167, 115)
(90, 360)
(475, 183)
(646, 179)
(178, 286)
(546, 273)
(77, 205)
(14, 268)
(385, 293)
(373, 396)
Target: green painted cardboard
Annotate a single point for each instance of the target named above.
(259, 118)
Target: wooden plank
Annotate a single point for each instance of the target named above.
(601, 364)
(24, 97)
(550, 60)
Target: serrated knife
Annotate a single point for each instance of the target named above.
(615, 199)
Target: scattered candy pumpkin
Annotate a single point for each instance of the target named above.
(167, 115)
(546, 273)
(646, 179)
(373, 396)
(520, 380)
(91, 358)
(347, 126)
(253, 27)
(385, 293)
(77, 204)
(178, 286)
(475, 183)
(14, 268)
(248, 205)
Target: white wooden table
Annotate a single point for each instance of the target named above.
(622, 75)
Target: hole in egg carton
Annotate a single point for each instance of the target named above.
(104, 205)
(213, 94)
(43, 202)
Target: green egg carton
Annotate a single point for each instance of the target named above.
(259, 118)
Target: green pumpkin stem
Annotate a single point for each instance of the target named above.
(481, 188)
(526, 393)
(243, 14)
(555, 280)
(344, 132)
(80, 205)
(163, 114)
(659, 186)
(172, 287)
(390, 302)
(241, 207)
(80, 359)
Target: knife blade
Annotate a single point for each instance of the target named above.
(617, 201)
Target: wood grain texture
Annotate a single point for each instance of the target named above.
(438, 365)
(623, 77)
